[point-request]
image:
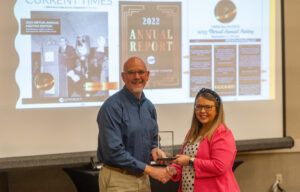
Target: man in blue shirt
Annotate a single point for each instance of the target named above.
(128, 135)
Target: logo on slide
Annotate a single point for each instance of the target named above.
(225, 11)
(43, 81)
(151, 60)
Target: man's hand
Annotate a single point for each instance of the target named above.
(157, 153)
(74, 76)
(158, 173)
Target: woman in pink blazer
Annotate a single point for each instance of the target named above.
(206, 159)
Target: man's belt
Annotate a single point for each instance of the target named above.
(123, 171)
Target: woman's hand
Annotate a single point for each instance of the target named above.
(182, 160)
(171, 171)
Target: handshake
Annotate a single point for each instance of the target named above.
(162, 174)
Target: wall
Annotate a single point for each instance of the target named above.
(292, 51)
(257, 173)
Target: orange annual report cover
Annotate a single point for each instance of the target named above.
(152, 31)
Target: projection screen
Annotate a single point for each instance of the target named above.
(63, 58)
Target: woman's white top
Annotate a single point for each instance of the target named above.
(188, 172)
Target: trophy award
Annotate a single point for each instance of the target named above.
(166, 144)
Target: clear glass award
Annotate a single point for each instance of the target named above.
(166, 144)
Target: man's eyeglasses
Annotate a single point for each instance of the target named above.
(207, 108)
(132, 73)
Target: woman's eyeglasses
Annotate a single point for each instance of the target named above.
(207, 108)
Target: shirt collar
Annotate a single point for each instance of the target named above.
(132, 98)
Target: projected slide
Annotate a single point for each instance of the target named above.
(71, 52)
(226, 50)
